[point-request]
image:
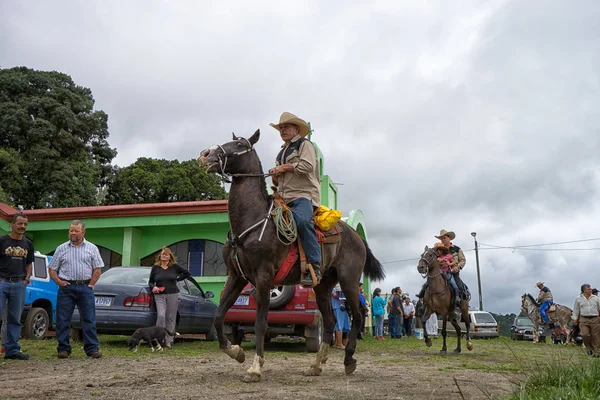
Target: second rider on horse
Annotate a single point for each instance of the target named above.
(296, 175)
(458, 263)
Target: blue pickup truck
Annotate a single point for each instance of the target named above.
(39, 314)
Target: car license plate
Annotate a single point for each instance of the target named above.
(242, 301)
(103, 301)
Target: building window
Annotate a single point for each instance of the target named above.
(200, 257)
(109, 258)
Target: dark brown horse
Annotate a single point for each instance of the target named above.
(438, 299)
(253, 253)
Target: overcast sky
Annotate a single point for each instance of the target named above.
(475, 117)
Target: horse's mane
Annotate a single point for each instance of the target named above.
(263, 181)
(532, 299)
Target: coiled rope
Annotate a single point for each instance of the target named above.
(285, 224)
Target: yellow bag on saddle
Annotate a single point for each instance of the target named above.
(325, 218)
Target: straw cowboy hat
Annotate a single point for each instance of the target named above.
(451, 235)
(539, 283)
(440, 246)
(289, 118)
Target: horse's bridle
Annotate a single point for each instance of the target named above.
(428, 262)
(223, 157)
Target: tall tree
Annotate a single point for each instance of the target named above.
(54, 145)
(150, 180)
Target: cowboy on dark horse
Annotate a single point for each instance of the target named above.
(458, 262)
(296, 175)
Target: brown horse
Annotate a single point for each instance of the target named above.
(556, 313)
(438, 299)
(253, 253)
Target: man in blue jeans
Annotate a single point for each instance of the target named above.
(75, 267)
(296, 175)
(16, 259)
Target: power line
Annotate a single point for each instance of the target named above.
(543, 244)
(523, 247)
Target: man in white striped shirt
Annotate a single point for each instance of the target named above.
(585, 314)
(75, 267)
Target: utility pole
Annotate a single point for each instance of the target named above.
(474, 234)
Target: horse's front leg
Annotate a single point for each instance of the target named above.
(231, 291)
(323, 294)
(444, 333)
(424, 319)
(263, 296)
(536, 336)
(458, 334)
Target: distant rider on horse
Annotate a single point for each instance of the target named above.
(296, 175)
(458, 259)
(545, 300)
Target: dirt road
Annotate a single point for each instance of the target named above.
(391, 374)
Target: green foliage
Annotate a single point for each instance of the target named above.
(504, 323)
(160, 181)
(54, 149)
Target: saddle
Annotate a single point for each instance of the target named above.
(328, 240)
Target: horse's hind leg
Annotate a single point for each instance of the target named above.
(323, 294)
(231, 291)
(350, 289)
(465, 316)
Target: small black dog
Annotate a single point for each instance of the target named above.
(149, 334)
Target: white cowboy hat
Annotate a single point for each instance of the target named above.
(451, 235)
(289, 118)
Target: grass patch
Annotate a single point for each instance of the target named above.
(577, 380)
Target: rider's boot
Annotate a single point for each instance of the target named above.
(307, 280)
(457, 300)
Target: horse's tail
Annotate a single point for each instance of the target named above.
(373, 268)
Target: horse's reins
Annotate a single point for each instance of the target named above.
(233, 239)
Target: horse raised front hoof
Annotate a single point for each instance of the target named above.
(469, 346)
(236, 352)
(313, 371)
(350, 368)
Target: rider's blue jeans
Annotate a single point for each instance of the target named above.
(543, 308)
(452, 281)
(302, 209)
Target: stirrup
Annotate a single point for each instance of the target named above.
(310, 275)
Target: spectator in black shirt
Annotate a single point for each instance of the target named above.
(16, 259)
(163, 281)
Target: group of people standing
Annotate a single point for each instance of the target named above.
(75, 267)
(401, 313)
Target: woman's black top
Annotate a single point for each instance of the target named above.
(167, 278)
